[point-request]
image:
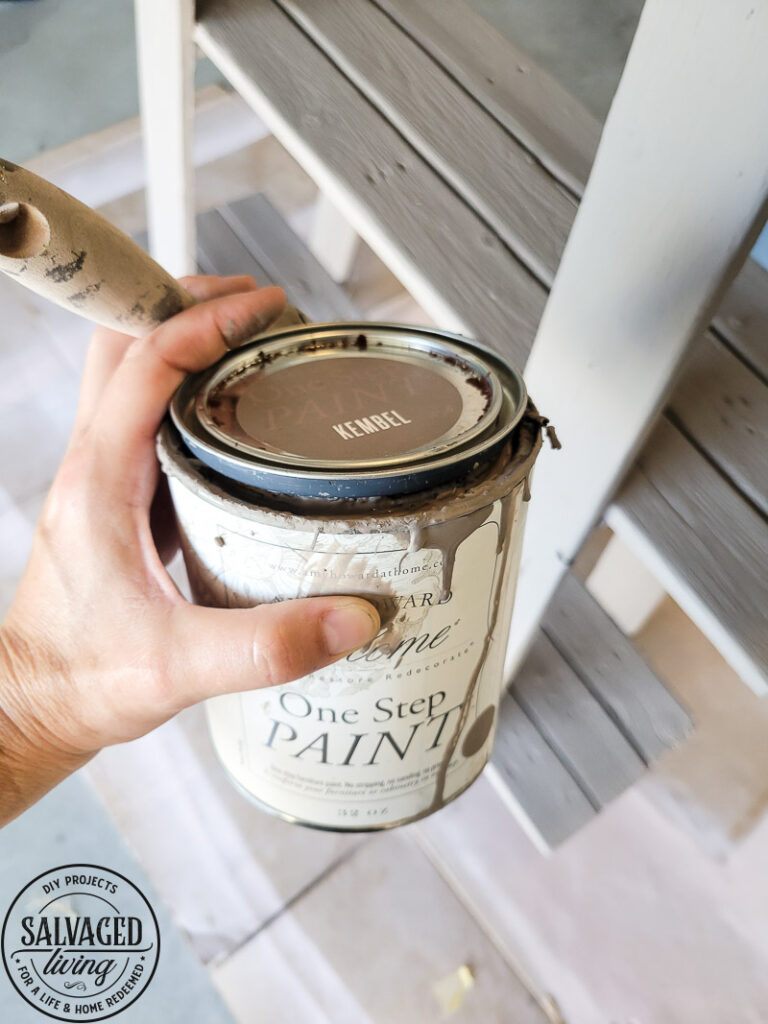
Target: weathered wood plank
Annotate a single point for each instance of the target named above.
(220, 251)
(287, 260)
(535, 108)
(717, 402)
(682, 513)
(722, 407)
(486, 165)
(611, 668)
(448, 259)
(640, 280)
(321, 960)
(742, 318)
(533, 781)
(574, 724)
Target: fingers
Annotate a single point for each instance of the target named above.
(108, 347)
(104, 355)
(138, 393)
(225, 650)
(204, 287)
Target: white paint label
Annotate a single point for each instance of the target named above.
(359, 744)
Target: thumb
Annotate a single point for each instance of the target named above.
(224, 650)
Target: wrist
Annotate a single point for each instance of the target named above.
(33, 758)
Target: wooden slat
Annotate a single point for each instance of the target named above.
(287, 261)
(693, 520)
(743, 316)
(611, 668)
(575, 724)
(451, 262)
(369, 945)
(722, 407)
(220, 251)
(547, 119)
(486, 164)
(542, 792)
(250, 237)
(640, 280)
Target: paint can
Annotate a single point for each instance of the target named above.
(375, 460)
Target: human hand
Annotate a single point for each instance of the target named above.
(99, 646)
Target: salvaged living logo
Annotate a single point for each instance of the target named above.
(80, 942)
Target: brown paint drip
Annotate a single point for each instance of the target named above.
(478, 732)
(502, 548)
(447, 537)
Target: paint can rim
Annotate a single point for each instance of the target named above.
(491, 400)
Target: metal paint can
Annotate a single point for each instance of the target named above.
(370, 459)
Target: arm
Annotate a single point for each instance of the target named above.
(98, 646)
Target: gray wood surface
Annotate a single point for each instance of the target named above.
(715, 539)
(220, 251)
(608, 664)
(250, 237)
(477, 155)
(742, 319)
(547, 119)
(575, 725)
(287, 260)
(540, 785)
(446, 246)
(722, 407)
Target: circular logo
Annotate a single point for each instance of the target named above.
(80, 942)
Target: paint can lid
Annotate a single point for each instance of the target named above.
(350, 410)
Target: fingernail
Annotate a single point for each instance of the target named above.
(348, 626)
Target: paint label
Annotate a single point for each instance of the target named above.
(363, 743)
